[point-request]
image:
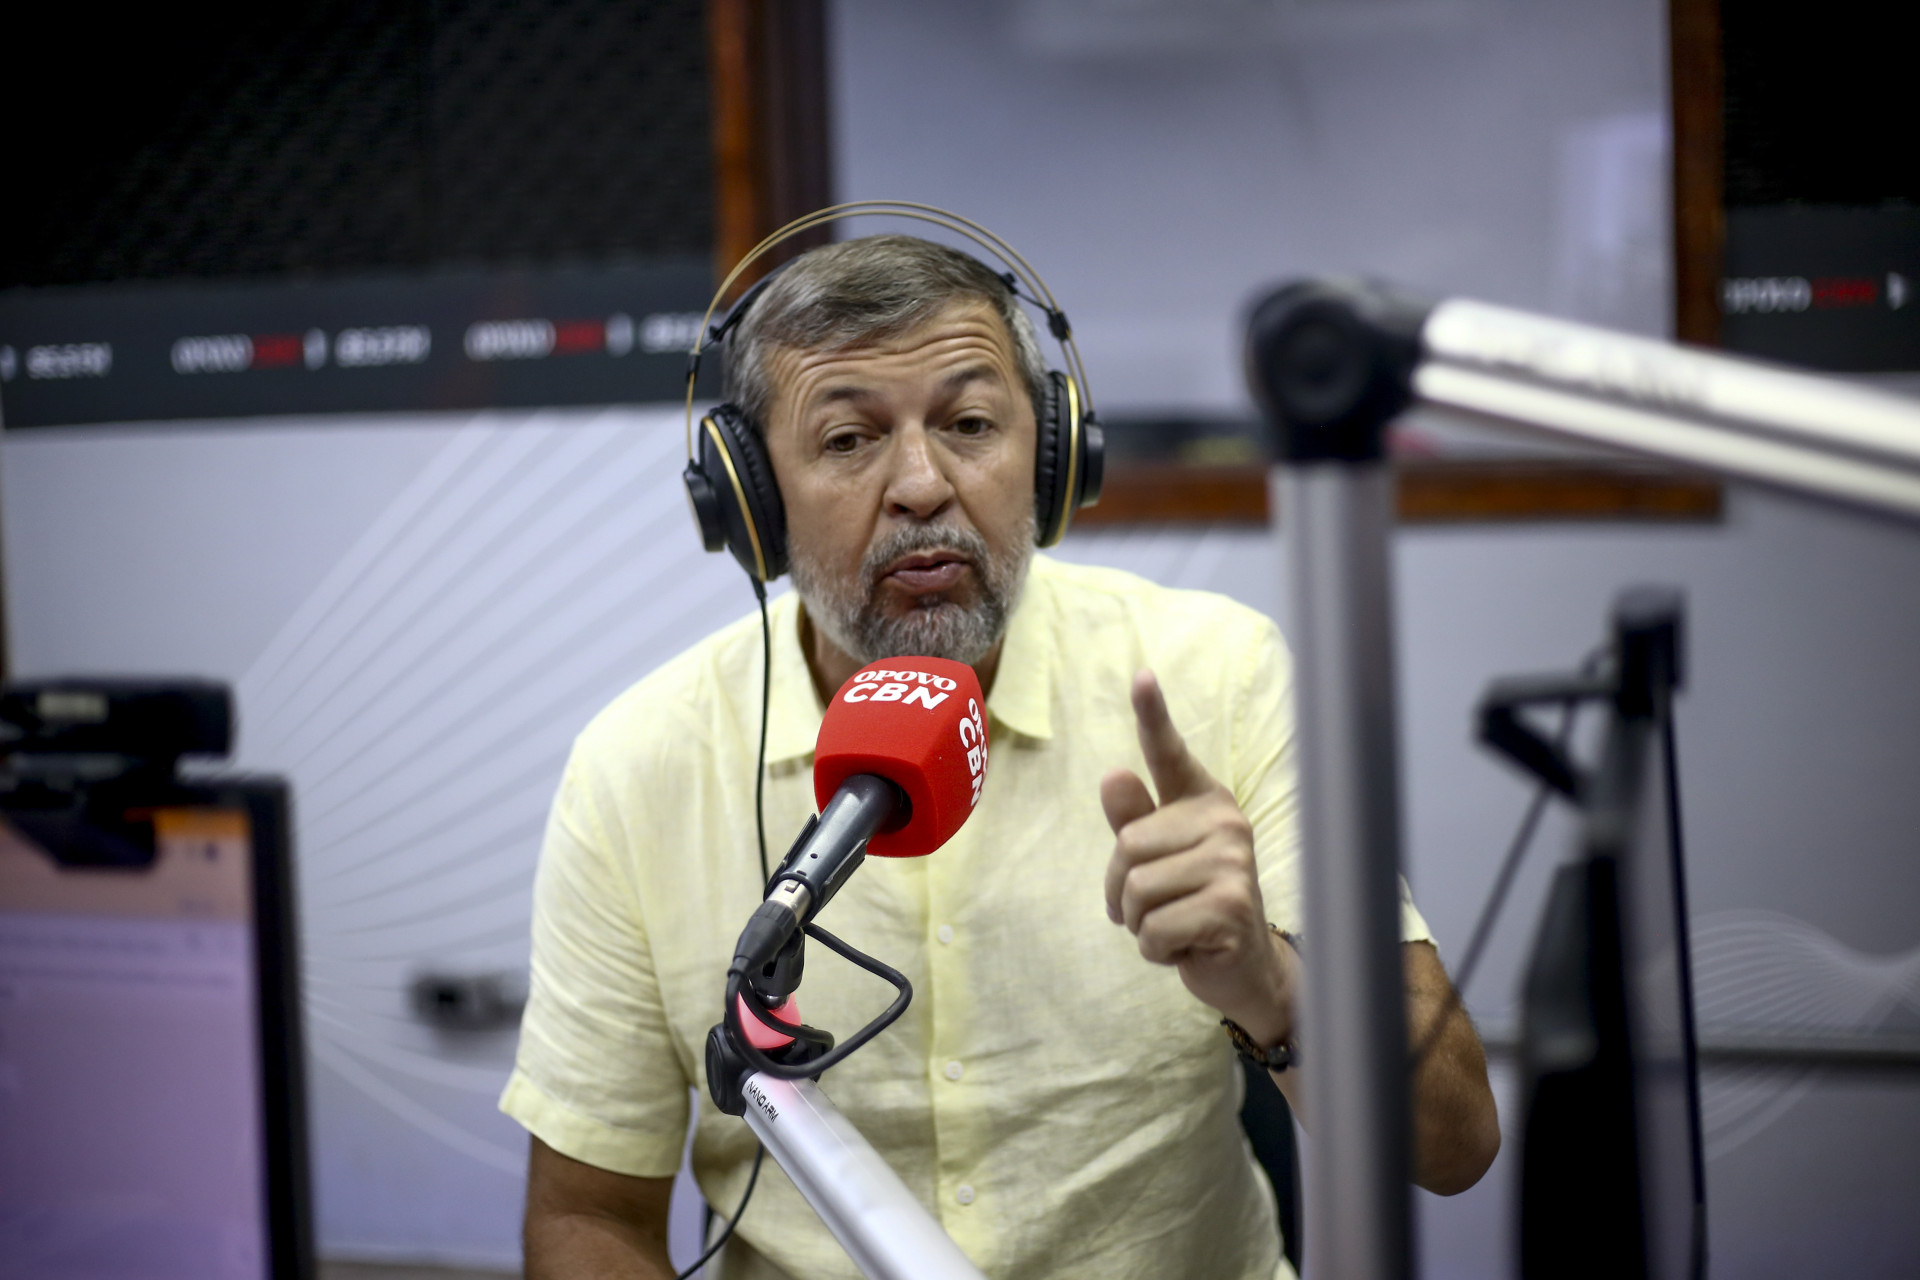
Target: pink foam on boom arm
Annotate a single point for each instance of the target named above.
(759, 1034)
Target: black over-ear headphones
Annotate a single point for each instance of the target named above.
(730, 479)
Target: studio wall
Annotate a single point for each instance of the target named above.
(1159, 161)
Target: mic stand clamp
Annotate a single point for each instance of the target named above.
(770, 987)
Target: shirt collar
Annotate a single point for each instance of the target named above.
(1022, 696)
(793, 714)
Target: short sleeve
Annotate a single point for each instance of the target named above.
(596, 1077)
(1266, 783)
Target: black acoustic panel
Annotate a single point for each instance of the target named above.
(1820, 107)
(569, 130)
(441, 340)
(323, 137)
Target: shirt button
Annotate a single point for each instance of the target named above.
(964, 1194)
(953, 1071)
(944, 933)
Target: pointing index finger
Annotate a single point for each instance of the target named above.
(1176, 774)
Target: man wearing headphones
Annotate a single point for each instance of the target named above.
(1060, 1093)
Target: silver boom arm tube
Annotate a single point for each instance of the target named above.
(1331, 364)
(886, 1232)
(1788, 430)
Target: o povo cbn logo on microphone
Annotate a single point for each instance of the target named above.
(906, 687)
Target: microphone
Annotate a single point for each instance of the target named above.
(897, 769)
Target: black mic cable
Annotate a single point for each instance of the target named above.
(760, 832)
(766, 703)
(759, 1155)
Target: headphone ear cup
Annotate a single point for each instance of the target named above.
(1093, 461)
(1054, 464)
(706, 507)
(736, 496)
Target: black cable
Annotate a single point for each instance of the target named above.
(758, 1156)
(736, 980)
(1683, 956)
(766, 705)
(765, 1018)
(1489, 913)
(760, 831)
(1502, 882)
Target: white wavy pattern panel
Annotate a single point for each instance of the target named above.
(423, 699)
(1765, 972)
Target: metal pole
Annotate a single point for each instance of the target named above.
(1330, 367)
(1337, 519)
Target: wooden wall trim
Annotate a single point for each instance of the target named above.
(772, 160)
(736, 131)
(1696, 86)
(1431, 491)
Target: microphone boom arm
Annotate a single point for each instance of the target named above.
(1324, 357)
(884, 1229)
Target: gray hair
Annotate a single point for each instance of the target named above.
(862, 291)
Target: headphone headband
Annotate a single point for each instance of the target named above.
(1019, 271)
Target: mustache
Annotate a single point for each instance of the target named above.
(846, 607)
(914, 539)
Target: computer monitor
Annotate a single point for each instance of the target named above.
(152, 1123)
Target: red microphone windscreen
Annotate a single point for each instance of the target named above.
(921, 724)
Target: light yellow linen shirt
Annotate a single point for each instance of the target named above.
(1063, 1107)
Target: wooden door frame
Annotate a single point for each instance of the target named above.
(772, 146)
(1696, 88)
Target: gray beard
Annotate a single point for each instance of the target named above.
(848, 612)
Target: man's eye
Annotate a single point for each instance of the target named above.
(973, 426)
(846, 442)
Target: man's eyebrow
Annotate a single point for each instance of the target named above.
(971, 373)
(854, 392)
(838, 394)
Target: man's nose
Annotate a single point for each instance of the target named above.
(917, 485)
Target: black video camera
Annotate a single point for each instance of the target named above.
(83, 762)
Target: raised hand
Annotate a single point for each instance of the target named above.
(1183, 878)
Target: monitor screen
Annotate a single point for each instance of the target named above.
(131, 1104)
